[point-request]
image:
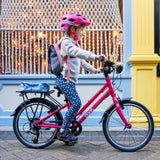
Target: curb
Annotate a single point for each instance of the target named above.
(88, 133)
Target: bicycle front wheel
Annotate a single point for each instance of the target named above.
(128, 139)
(24, 123)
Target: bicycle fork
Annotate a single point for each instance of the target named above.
(115, 100)
(119, 111)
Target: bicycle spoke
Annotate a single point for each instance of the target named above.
(117, 120)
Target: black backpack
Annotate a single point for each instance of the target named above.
(55, 62)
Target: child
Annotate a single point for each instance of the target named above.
(73, 26)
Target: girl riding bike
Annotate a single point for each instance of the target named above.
(73, 25)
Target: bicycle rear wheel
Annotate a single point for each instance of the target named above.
(25, 118)
(128, 139)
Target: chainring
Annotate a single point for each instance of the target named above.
(76, 128)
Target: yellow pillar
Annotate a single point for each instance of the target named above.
(144, 60)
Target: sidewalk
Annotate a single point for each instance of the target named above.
(84, 150)
(92, 146)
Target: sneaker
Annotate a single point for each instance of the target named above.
(66, 136)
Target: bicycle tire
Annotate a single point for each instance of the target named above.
(23, 127)
(128, 139)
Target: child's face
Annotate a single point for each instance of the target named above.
(80, 32)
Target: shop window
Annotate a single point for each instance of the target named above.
(28, 27)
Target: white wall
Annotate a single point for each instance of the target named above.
(9, 99)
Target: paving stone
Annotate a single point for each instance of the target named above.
(83, 150)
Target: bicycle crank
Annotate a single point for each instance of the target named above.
(76, 128)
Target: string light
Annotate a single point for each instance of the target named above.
(40, 34)
(24, 15)
(115, 33)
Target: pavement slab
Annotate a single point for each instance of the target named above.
(83, 150)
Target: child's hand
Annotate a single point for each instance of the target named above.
(98, 70)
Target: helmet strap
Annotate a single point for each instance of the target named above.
(75, 36)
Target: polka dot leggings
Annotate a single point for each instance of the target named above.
(70, 92)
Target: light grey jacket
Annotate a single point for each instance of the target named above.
(78, 57)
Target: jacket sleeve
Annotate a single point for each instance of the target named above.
(70, 49)
(87, 66)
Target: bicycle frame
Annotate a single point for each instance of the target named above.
(109, 91)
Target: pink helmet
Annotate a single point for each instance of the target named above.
(72, 19)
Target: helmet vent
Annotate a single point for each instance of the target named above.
(64, 18)
(72, 20)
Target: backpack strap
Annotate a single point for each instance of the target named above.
(68, 63)
(66, 57)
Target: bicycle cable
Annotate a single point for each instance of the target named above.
(115, 78)
(119, 82)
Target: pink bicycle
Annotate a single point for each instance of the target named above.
(127, 124)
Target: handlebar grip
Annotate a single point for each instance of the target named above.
(101, 58)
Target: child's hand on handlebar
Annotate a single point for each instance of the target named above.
(102, 58)
(98, 70)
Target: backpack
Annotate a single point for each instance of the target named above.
(55, 62)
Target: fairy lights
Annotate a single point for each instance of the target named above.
(29, 26)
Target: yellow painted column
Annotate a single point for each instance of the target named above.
(144, 60)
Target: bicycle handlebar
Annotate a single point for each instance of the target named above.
(109, 67)
(108, 63)
(101, 58)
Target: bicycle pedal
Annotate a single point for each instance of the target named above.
(71, 143)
